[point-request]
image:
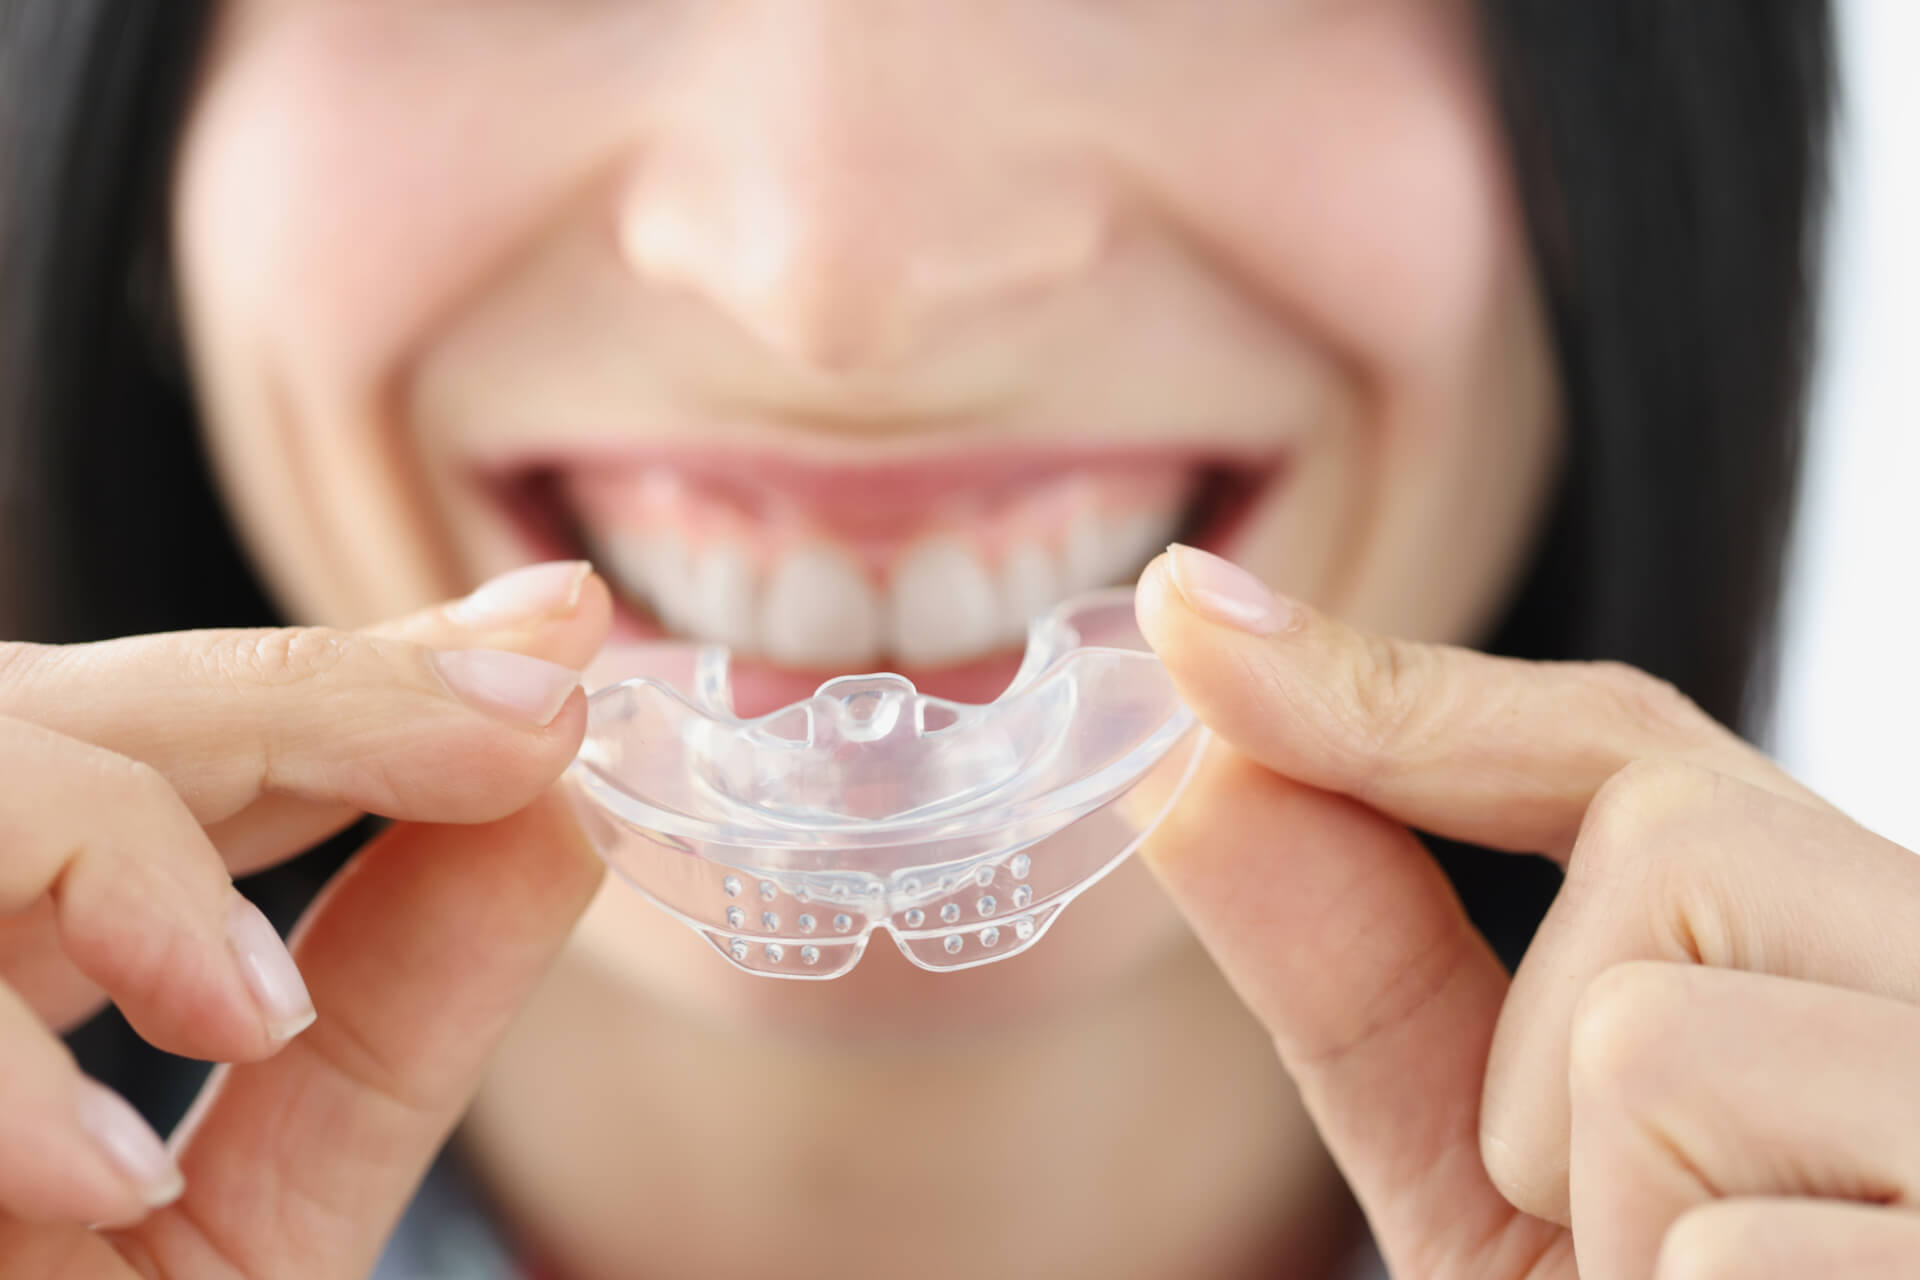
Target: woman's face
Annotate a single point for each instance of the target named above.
(853, 332)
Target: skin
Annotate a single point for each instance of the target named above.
(1360, 294)
(1699, 1068)
(872, 234)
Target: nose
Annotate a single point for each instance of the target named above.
(848, 192)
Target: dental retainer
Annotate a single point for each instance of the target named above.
(963, 830)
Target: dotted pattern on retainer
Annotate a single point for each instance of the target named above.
(986, 911)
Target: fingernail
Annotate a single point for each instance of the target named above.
(523, 595)
(1222, 591)
(130, 1143)
(271, 974)
(512, 684)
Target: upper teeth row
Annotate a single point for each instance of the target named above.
(814, 606)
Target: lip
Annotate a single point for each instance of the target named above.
(903, 482)
(526, 488)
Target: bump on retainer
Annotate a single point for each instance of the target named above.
(963, 830)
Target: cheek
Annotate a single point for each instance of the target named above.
(349, 175)
(1361, 193)
(1361, 186)
(332, 201)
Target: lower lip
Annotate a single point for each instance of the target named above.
(761, 687)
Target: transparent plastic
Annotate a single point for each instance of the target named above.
(963, 830)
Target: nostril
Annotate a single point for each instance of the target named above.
(843, 257)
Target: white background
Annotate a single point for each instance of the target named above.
(1848, 719)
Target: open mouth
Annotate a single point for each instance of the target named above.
(932, 568)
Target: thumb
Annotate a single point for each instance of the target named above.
(1345, 939)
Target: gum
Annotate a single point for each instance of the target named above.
(764, 523)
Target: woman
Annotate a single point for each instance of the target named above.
(851, 335)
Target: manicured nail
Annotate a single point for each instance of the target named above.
(511, 684)
(130, 1143)
(521, 596)
(1225, 593)
(271, 974)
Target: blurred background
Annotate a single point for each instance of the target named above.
(1848, 718)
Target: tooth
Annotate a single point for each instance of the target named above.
(669, 578)
(1115, 556)
(721, 597)
(652, 567)
(943, 604)
(1029, 586)
(1141, 537)
(629, 559)
(819, 610)
(1087, 553)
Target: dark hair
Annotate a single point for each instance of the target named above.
(107, 510)
(1671, 159)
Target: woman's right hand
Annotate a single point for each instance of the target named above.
(137, 777)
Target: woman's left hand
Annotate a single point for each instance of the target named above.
(1708, 1064)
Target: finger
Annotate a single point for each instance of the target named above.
(74, 1152)
(1771, 1239)
(141, 902)
(44, 1251)
(559, 612)
(381, 725)
(43, 975)
(1492, 751)
(1676, 863)
(1692, 1085)
(417, 955)
(1345, 939)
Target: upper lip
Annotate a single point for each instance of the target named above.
(814, 476)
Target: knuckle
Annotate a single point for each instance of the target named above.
(1652, 864)
(164, 813)
(142, 783)
(1515, 1163)
(126, 783)
(1640, 807)
(136, 787)
(1646, 700)
(283, 657)
(1396, 698)
(1703, 1245)
(1622, 1025)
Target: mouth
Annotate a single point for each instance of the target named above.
(932, 568)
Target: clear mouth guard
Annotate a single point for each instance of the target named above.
(962, 830)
